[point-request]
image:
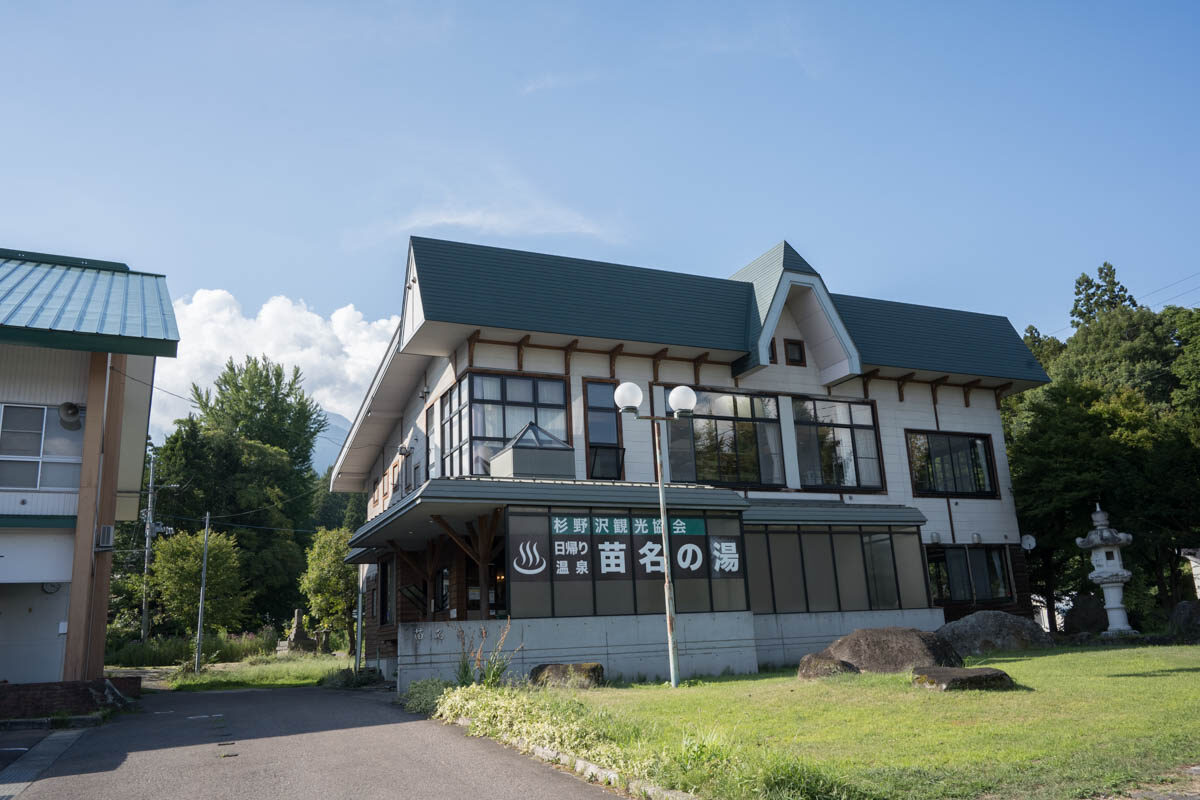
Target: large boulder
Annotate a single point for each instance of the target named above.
(893, 650)
(949, 679)
(1185, 619)
(818, 665)
(1086, 615)
(984, 631)
(572, 676)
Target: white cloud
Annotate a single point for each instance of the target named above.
(494, 200)
(338, 355)
(557, 80)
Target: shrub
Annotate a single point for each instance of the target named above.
(164, 651)
(422, 696)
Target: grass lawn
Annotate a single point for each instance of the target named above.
(261, 673)
(1084, 721)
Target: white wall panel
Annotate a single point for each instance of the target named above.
(42, 376)
(35, 555)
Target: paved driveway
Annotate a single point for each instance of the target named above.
(293, 744)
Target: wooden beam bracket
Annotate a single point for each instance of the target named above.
(697, 362)
(903, 379)
(612, 360)
(472, 340)
(456, 538)
(569, 351)
(867, 377)
(522, 343)
(999, 392)
(658, 357)
(934, 384)
(967, 387)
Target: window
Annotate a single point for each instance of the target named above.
(605, 458)
(429, 431)
(837, 444)
(37, 451)
(729, 439)
(455, 433)
(396, 476)
(951, 464)
(793, 353)
(816, 568)
(968, 574)
(387, 597)
(773, 355)
(502, 405)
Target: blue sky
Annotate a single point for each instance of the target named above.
(971, 155)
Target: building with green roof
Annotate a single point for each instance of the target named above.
(844, 466)
(79, 339)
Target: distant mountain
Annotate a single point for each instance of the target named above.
(329, 443)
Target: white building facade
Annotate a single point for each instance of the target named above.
(844, 468)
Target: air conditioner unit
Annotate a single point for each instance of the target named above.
(104, 538)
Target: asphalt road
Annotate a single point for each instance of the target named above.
(293, 744)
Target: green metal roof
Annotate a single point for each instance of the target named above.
(825, 512)
(84, 304)
(493, 287)
(891, 334)
(37, 520)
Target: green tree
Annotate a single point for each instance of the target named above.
(1123, 348)
(176, 579)
(1045, 348)
(337, 509)
(1095, 296)
(329, 583)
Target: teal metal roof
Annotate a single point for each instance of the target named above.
(493, 287)
(83, 304)
(891, 334)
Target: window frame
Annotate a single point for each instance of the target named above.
(803, 362)
(939, 556)
(587, 442)
(991, 465)
(772, 353)
(833, 488)
(42, 458)
(468, 378)
(752, 419)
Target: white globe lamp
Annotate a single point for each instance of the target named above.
(628, 396)
(682, 400)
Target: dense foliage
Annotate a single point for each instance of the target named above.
(176, 576)
(1118, 425)
(329, 583)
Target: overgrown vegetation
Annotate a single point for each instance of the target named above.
(423, 695)
(477, 664)
(859, 736)
(163, 651)
(261, 673)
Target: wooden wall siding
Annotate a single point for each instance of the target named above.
(42, 376)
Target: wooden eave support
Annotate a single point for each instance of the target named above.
(698, 362)
(522, 343)
(407, 559)
(967, 387)
(999, 392)
(903, 379)
(867, 377)
(569, 351)
(612, 360)
(934, 384)
(472, 340)
(658, 357)
(454, 537)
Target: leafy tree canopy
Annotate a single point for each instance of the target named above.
(176, 579)
(1095, 296)
(330, 584)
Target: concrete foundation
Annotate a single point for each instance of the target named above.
(786, 638)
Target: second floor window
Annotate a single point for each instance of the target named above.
(501, 406)
(951, 464)
(836, 444)
(37, 451)
(730, 439)
(605, 454)
(455, 431)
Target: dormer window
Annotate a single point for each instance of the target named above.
(793, 352)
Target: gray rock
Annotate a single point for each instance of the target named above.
(1185, 619)
(949, 679)
(572, 676)
(816, 665)
(984, 631)
(1086, 615)
(893, 650)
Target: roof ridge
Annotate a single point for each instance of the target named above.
(836, 295)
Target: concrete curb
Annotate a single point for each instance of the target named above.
(593, 773)
(39, 723)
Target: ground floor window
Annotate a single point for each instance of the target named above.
(964, 574)
(570, 562)
(794, 569)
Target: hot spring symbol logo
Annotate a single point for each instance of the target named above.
(530, 562)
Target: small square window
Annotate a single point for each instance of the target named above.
(793, 353)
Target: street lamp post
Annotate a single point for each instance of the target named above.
(628, 396)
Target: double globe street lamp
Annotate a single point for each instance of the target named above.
(682, 401)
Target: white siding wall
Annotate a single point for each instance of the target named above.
(44, 377)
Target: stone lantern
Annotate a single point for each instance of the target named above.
(1108, 570)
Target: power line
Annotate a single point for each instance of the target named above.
(1148, 294)
(255, 527)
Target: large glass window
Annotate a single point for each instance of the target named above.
(837, 444)
(37, 451)
(951, 464)
(729, 439)
(605, 455)
(455, 431)
(502, 405)
(817, 568)
(968, 574)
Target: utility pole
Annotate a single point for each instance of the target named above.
(146, 562)
(203, 581)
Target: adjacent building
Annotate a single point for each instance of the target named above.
(78, 343)
(844, 468)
